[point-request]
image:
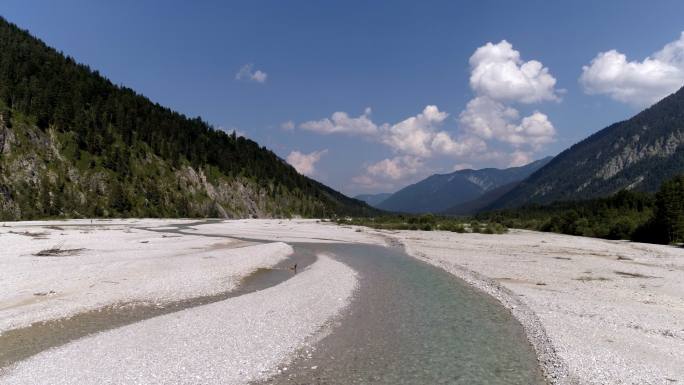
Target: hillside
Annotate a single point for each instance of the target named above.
(636, 154)
(373, 199)
(72, 144)
(440, 192)
(478, 204)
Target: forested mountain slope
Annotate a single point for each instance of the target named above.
(639, 154)
(73, 144)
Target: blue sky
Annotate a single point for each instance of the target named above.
(412, 97)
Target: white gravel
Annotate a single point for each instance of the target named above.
(577, 300)
(598, 312)
(117, 264)
(228, 342)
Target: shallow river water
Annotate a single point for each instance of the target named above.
(412, 323)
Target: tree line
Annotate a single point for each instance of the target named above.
(638, 216)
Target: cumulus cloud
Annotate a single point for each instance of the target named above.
(498, 73)
(248, 73)
(390, 173)
(638, 83)
(489, 119)
(499, 77)
(305, 163)
(341, 122)
(464, 145)
(395, 168)
(414, 135)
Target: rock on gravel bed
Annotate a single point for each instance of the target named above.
(229, 342)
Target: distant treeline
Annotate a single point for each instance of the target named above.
(637, 216)
(426, 222)
(643, 217)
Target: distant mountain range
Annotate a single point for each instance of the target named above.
(373, 199)
(442, 192)
(639, 154)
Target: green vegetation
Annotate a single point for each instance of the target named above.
(640, 153)
(669, 215)
(656, 218)
(638, 216)
(426, 222)
(72, 144)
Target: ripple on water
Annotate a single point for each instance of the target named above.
(415, 324)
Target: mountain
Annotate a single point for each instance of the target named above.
(72, 144)
(373, 199)
(440, 192)
(639, 154)
(478, 204)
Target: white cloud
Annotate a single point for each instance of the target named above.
(287, 126)
(340, 122)
(498, 73)
(520, 158)
(391, 173)
(489, 119)
(305, 163)
(247, 72)
(414, 135)
(465, 145)
(395, 168)
(499, 77)
(638, 83)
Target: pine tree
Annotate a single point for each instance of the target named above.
(670, 209)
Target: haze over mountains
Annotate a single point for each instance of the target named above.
(637, 154)
(440, 192)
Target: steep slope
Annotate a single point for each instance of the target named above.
(639, 153)
(439, 192)
(373, 199)
(73, 144)
(478, 204)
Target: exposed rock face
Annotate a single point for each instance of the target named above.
(35, 174)
(635, 151)
(639, 153)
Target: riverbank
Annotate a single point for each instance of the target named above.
(53, 270)
(63, 272)
(597, 311)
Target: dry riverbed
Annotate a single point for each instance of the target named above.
(598, 312)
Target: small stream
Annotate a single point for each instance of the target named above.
(413, 323)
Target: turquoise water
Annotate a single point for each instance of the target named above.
(412, 323)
